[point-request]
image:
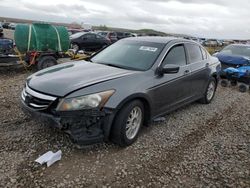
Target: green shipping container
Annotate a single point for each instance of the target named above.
(41, 37)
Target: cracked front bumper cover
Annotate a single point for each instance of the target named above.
(85, 127)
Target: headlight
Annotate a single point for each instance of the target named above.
(96, 100)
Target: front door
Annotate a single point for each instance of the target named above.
(173, 89)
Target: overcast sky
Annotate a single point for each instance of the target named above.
(203, 18)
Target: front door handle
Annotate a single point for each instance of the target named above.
(186, 71)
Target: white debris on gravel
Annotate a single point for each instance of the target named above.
(49, 158)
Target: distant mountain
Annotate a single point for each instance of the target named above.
(75, 25)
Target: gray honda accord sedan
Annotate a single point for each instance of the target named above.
(121, 88)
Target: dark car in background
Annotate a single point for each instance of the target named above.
(110, 35)
(88, 41)
(6, 25)
(121, 88)
(234, 55)
(6, 46)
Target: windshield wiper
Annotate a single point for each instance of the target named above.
(113, 65)
(118, 66)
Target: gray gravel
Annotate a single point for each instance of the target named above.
(197, 146)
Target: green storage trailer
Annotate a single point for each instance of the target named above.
(41, 43)
(41, 37)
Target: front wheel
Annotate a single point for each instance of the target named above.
(45, 62)
(210, 91)
(127, 123)
(243, 88)
(75, 47)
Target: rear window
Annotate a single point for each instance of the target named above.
(194, 53)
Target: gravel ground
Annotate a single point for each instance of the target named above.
(197, 146)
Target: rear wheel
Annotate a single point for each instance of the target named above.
(210, 91)
(45, 62)
(127, 123)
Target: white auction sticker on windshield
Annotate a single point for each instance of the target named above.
(147, 48)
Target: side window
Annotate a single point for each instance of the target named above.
(89, 36)
(176, 56)
(204, 53)
(194, 52)
(99, 37)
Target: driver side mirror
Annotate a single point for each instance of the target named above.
(168, 69)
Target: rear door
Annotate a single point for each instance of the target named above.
(199, 66)
(172, 90)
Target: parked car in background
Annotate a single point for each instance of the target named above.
(121, 88)
(234, 55)
(134, 35)
(212, 43)
(88, 41)
(1, 28)
(6, 46)
(122, 35)
(73, 31)
(110, 35)
(6, 25)
(12, 26)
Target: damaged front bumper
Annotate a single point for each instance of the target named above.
(85, 127)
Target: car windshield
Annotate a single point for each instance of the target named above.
(133, 55)
(76, 35)
(237, 50)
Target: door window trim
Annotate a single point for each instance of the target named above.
(169, 49)
(177, 43)
(189, 60)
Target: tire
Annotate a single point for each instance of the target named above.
(243, 88)
(124, 133)
(210, 91)
(45, 62)
(233, 83)
(75, 46)
(224, 83)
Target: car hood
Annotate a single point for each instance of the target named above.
(232, 59)
(63, 79)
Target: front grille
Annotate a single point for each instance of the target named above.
(36, 100)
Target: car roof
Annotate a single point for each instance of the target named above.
(163, 40)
